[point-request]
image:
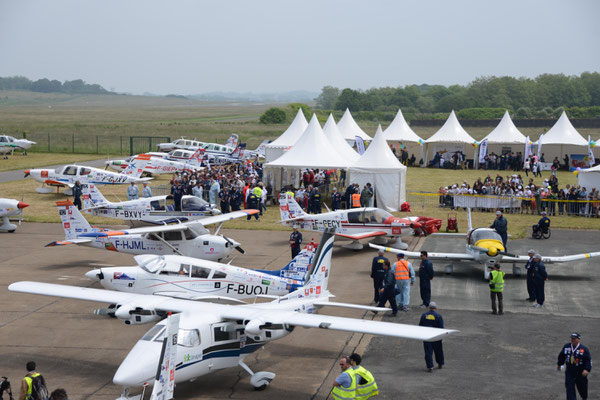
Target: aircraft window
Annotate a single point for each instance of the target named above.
(11, 139)
(354, 217)
(482, 234)
(189, 234)
(222, 335)
(71, 170)
(219, 275)
(152, 332)
(154, 265)
(193, 203)
(188, 337)
(154, 236)
(172, 235)
(85, 171)
(156, 206)
(200, 272)
(3, 139)
(178, 141)
(184, 270)
(175, 270)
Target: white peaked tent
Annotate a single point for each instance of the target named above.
(505, 134)
(563, 139)
(381, 168)
(350, 128)
(288, 138)
(589, 178)
(451, 137)
(400, 131)
(336, 139)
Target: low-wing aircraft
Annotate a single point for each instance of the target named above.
(356, 223)
(10, 208)
(236, 156)
(216, 336)
(67, 175)
(195, 279)
(159, 164)
(484, 245)
(146, 210)
(258, 152)
(186, 239)
(8, 144)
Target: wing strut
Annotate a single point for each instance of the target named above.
(167, 243)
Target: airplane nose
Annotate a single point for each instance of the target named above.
(95, 275)
(492, 251)
(140, 365)
(22, 205)
(27, 172)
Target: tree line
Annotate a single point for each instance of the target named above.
(44, 85)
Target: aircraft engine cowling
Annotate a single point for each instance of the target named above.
(132, 315)
(264, 331)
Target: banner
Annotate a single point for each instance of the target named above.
(539, 149)
(482, 150)
(591, 158)
(360, 145)
(527, 151)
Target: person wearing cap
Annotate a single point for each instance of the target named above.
(539, 280)
(543, 224)
(387, 292)
(146, 191)
(405, 278)
(432, 319)
(133, 193)
(426, 274)
(530, 282)
(336, 200)
(578, 361)
(500, 224)
(496, 278)
(366, 387)
(295, 241)
(377, 273)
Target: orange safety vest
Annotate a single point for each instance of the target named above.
(356, 200)
(402, 271)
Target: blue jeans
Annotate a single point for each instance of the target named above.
(403, 298)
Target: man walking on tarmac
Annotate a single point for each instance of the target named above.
(496, 278)
(377, 273)
(33, 386)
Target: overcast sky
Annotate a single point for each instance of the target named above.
(197, 46)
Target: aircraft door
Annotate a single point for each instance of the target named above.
(226, 337)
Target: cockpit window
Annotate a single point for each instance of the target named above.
(3, 139)
(200, 272)
(172, 235)
(224, 332)
(189, 234)
(483, 234)
(154, 265)
(85, 171)
(193, 203)
(70, 170)
(354, 217)
(152, 332)
(376, 216)
(188, 337)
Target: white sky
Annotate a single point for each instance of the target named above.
(197, 46)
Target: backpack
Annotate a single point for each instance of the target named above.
(39, 391)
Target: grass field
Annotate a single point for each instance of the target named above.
(37, 160)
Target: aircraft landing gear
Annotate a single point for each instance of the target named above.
(516, 270)
(355, 245)
(380, 240)
(260, 380)
(449, 269)
(399, 244)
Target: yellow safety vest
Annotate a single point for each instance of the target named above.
(258, 191)
(497, 280)
(343, 393)
(368, 389)
(29, 381)
(402, 272)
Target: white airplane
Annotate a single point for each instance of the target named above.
(164, 382)
(236, 156)
(67, 175)
(195, 279)
(356, 223)
(186, 239)
(147, 210)
(258, 152)
(183, 143)
(8, 144)
(10, 208)
(216, 336)
(484, 246)
(159, 164)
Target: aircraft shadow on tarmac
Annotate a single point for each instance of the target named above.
(74, 264)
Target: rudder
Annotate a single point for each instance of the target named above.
(73, 222)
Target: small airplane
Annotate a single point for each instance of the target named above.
(11, 143)
(146, 210)
(10, 208)
(356, 223)
(484, 245)
(194, 279)
(236, 156)
(215, 336)
(160, 164)
(67, 175)
(186, 239)
(258, 152)
(183, 143)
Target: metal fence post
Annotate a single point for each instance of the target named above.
(73, 143)
(48, 143)
(97, 148)
(130, 145)
(121, 145)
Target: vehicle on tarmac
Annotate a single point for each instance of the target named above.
(187, 239)
(215, 336)
(10, 208)
(356, 223)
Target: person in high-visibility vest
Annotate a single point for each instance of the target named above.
(496, 278)
(366, 386)
(355, 200)
(27, 384)
(344, 386)
(405, 278)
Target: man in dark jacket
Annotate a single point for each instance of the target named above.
(377, 274)
(425, 276)
(434, 320)
(539, 279)
(500, 224)
(578, 361)
(387, 292)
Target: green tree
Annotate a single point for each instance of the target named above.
(292, 110)
(273, 115)
(348, 99)
(328, 97)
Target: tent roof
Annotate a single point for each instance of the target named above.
(378, 156)
(312, 150)
(451, 132)
(593, 169)
(506, 132)
(335, 137)
(563, 133)
(400, 131)
(350, 128)
(292, 133)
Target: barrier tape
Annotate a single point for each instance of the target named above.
(503, 197)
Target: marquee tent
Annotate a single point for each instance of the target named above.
(350, 128)
(451, 137)
(400, 131)
(336, 139)
(505, 135)
(381, 168)
(589, 178)
(563, 139)
(288, 138)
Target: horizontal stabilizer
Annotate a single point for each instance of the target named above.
(348, 305)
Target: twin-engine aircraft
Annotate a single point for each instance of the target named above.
(186, 239)
(356, 223)
(147, 210)
(216, 336)
(67, 175)
(10, 208)
(484, 245)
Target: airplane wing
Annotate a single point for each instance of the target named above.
(137, 231)
(553, 260)
(71, 241)
(265, 312)
(217, 219)
(430, 255)
(362, 235)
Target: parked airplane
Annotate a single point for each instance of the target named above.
(216, 336)
(69, 174)
(183, 143)
(146, 210)
(259, 151)
(186, 239)
(8, 144)
(159, 164)
(10, 208)
(236, 156)
(356, 223)
(484, 245)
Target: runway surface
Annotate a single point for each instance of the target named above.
(493, 357)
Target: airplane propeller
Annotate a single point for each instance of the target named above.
(26, 173)
(238, 247)
(417, 227)
(21, 206)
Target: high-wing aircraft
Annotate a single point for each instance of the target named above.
(258, 152)
(146, 210)
(484, 245)
(356, 223)
(160, 164)
(216, 336)
(183, 143)
(186, 239)
(8, 144)
(236, 156)
(195, 279)
(67, 175)
(10, 208)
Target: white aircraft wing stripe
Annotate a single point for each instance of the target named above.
(553, 260)
(430, 255)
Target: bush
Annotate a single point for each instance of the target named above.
(273, 115)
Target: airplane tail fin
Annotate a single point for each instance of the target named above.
(73, 222)
(233, 140)
(136, 166)
(299, 266)
(261, 147)
(197, 157)
(289, 208)
(238, 153)
(164, 382)
(92, 197)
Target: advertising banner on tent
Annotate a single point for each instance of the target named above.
(482, 150)
(360, 145)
